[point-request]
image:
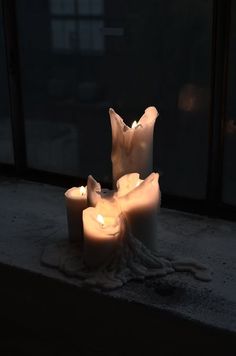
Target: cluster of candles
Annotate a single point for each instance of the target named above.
(99, 219)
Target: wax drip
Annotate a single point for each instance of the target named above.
(131, 261)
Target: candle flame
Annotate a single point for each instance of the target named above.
(82, 190)
(100, 219)
(134, 124)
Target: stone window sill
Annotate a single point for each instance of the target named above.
(170, 314)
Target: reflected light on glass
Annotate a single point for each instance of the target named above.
(192, 98)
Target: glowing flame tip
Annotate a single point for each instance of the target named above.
(100, 219)
(134, 124)
(82, 190)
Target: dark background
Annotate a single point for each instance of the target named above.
(78, 58)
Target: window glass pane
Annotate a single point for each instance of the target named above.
(156, 53)
(84, 35)
(182, 73)
(90, 7)
(97, 36)
(84, 7)
(91, 37)
(97, 7)
(64, 34)
(62, 7)
(229, 166)
(6, 150)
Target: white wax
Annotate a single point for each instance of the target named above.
(132, 147)
(127, 183)
(76, 202)
(101, 238)
(140, 201)
(93, 191)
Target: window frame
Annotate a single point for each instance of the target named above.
(213, 204)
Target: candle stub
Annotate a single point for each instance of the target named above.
(140, 201)
(102, 234)
(76, 202)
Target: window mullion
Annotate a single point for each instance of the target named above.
(219, 59)
(14, 80)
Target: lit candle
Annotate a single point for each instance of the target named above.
(132, 147)
(103, 232)
(140, 201)
(76, 202)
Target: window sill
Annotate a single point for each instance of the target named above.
(172, 311)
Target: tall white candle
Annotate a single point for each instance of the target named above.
(132, 147)
(140, 201)
(76, 202)
(103, 232)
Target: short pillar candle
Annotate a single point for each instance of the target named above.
(102, 235)
(76, 202)
(140, 201)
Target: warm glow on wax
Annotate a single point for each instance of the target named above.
(102, 233)
(139, 201)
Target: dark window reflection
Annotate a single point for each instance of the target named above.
(90, 7)
(77, 25)
(81, 57)
(64, 34)
(6, 150)
(229, 167)
(62, 7)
